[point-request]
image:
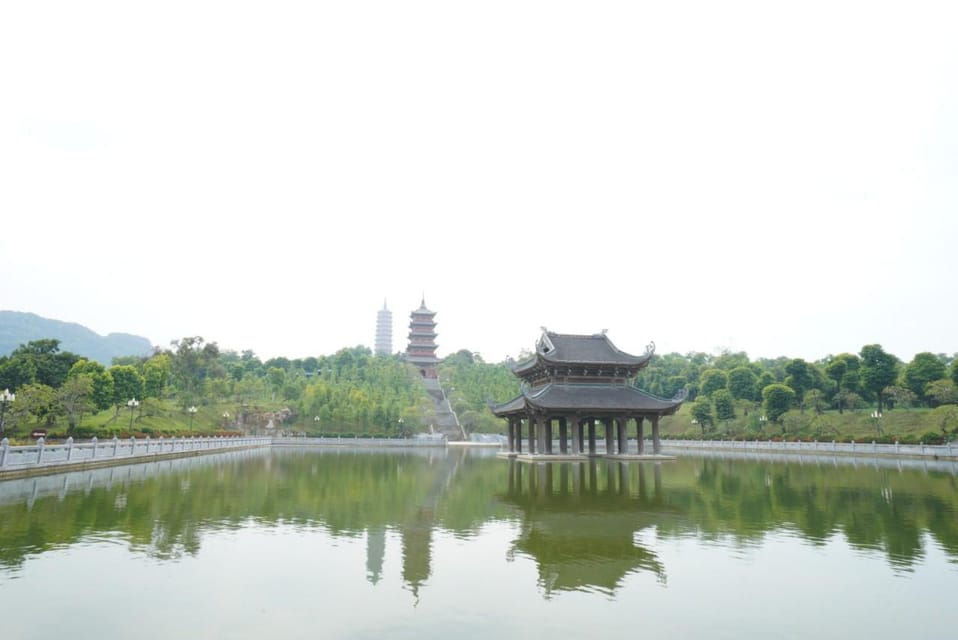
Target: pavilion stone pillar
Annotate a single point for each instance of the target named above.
(540, 435)
(512, 434)
(576, 434)
(532, 433)
(579, 432)
(547, 436)
(592, 436)
(563, 435)
(623, 432)
(609, 446)
(656, 445)
(640, 433)
(518, 435)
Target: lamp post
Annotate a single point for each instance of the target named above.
(876, 416)
(316, 420)
(402, 434)
(5, 398)
(192, 411)
(133, 403)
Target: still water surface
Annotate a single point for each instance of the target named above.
(436, 544)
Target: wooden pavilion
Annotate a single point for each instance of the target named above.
(576, 381)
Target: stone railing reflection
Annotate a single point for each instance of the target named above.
(942, 451)
(71, 453)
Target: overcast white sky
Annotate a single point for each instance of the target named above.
(779, 178)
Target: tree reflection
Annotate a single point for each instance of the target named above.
(578, 521)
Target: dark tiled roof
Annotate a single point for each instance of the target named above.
(589, 398)
(559, 348)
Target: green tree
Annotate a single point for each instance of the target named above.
(76, 398)
(127, 384)
(51, 364)
(764, 379)
(702, 412)
(712, 380)
(156, 374)
(777, 399)
(193, 361)
(16, 372)
(102, 392)
(277, 378)
(800, 379)
(942, 392)
(843, 371)
(878, 370)
(724, 404)
(815, 399)
(897, 395)
(741, 383)
(37, 401)
(924, 368)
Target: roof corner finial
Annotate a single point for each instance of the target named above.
(544, 330)
(604, 331)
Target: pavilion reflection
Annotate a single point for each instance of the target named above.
(580, 520)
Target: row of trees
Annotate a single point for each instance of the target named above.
(724, 385)
(354, 391)
(349, 391)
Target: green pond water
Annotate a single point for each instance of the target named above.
(335, 543)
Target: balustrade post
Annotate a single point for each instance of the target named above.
(132, 445)
(116, 445)
(69, 448)
(94, 441)
(4, 448)
(40, 445)
(147, 444)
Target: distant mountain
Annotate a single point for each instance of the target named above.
(18, 328)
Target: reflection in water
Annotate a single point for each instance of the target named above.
(579, 522)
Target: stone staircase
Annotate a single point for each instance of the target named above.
(447, 423)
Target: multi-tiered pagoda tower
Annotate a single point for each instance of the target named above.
(384, 331)
(422, 341)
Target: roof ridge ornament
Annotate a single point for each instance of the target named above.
(650, 348)
(545, 344)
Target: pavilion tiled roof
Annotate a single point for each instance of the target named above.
(587, 398)
(568, 349)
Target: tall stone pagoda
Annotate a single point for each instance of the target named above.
(384, 331)
(422, 341)
(576, 381)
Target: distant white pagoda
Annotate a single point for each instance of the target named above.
(384, 331)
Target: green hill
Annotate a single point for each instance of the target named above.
(18, 328)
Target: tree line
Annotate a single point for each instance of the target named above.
(355, 392)
(722, 387)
